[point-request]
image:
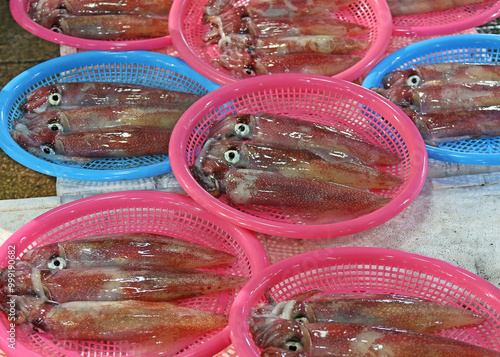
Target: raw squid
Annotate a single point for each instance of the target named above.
(243, 65)
(304, 200)
(389, 310)
(220, 155)
(447, 101)
(45, 12)
(422, 74)
(138, 250)
(281, 26)
(291, 338)
(163, 323)
(88, 117)
(112, 27)
(302, 44)
(73, 94)
(412, 7)
(447, 126)
(116, 283)
(37, 129)
(127, 141)
(267, 128)
(445, 96)
(276, 8)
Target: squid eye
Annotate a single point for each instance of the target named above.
(247, 70)
(232, 156)
(294, 346)
(55, 98)
(413, 80)
(242, 129)
(56, 29)
(56, 262)
(47, 150)
(55, 126)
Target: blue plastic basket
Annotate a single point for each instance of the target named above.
(482, 48)
(136, 67)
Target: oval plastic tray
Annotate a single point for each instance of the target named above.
(134, 211)
(370, 270)
(186, 28)
(454, 48)
(19, 11)
(447, 21)
(322, 100)
(139, 67)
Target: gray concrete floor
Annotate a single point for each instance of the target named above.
(20, 50)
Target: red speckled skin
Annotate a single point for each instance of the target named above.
(266, 128)
(301, 44)
(113, 26)
(44, 12)
(275, 8)
(103, 93)
(243, 65)
(449, 126)
(445, 97)
(127, 141)
(443, 72)
(455, 96)
(397, 311)
(106, 116)
(41, 128)
(131, 249)
(332, 339)
(281, 26)
(318, 165)
(412, 7)
(308, 199)
(133, 321)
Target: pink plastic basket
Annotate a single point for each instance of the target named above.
(186, 28)
(447, 21)
(323, 100)
(365, 271)
(134, 211)
(19, 11)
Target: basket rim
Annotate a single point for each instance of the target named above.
(246, 239)
(411, 53)
(373, 55)
(18, 11)
(57, 65)
(257, 285)
(213, 100)
(449, 28)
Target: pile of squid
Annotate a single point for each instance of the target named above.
(103, 20)
(281, 36)
(411, 7)
(370, 325)
(312, 173)
(448, 101)
(85, 121)
(119, 287)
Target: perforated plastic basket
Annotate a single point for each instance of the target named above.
(135, 211)
(455, 48)
(19, 11)
(186, 28)
(322, 100)
(447, 21)
(366, 271)
(136, 67)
